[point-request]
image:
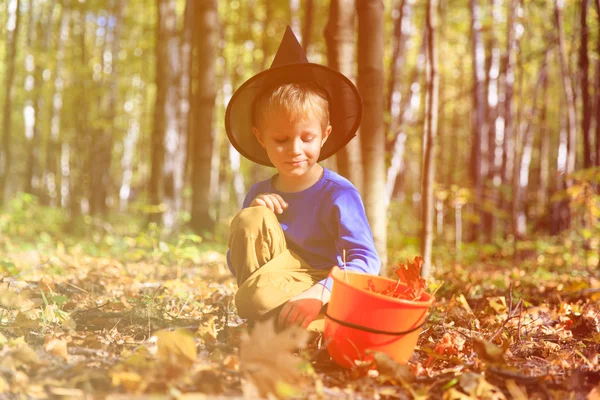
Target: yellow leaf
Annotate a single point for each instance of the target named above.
(176, 347)
(57, 347)
(140, 359)
(22, 355)
(69, 323)
(487, 391)
(207, 331)
(22, 321)
(453, 394)
(498, 304)
(267, 360)
(11, 299)
(489, 352)
(131, 381)
(514, 390)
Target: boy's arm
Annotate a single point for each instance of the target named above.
(353, 234)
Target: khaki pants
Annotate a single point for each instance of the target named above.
(267, 272)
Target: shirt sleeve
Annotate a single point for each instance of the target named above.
(353, 234)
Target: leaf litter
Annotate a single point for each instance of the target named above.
(109, 328)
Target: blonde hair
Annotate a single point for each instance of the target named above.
(296, 101)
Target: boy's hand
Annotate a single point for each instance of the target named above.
(272, 201)
(304, 308)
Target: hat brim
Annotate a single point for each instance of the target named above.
(345, 107)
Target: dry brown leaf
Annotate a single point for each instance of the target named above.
(266, 357)
(410, 274)
(21, 355)
(594, 394)
(489, 352)
(453, 394)
(176, 348)
(389, 367)
(22, 321)
(515, 391)
(487, 391)
(56, 346)
(131, 381)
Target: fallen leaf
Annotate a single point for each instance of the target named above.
(267, 360)
(390, 368)
(56, 346)
(410, 274)
(453, 394)
(22, 321)
(487, 391)
(489, 352)
(450, 344)
(176, 348)
(514, 390)
(131, 381)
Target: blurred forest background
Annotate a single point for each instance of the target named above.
(481, 124)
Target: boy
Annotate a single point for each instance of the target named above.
(294, 227)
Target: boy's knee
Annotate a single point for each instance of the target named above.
(254, 216)
(250, 304)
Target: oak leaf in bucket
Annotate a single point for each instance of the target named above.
(408, 274)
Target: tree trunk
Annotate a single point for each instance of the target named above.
(14, 19)
(569, 97)
(402, 28)
(431, 115)
(340, 39)
(77, 149)
(521, 174)
(52, 176)
(479, 153)
(101, 157)
(169, 148)
(184, 81)
(202, 100)
(307, 27)
(508, 145)
(398, 105)
(585, 93)
(544, 155)
(370, 84)
(597, 113)
(494, 147)
(42, 19)
(295, 19)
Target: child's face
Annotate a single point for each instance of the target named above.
(292, 146)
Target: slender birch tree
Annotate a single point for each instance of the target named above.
(584, 65)
(431, 115)
(340, 38)
(479, 151)
(14, 19)
(370, 84)
(204, 54)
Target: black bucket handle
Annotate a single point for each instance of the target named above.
(371, 330)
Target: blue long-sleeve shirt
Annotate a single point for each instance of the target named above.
(322, 221)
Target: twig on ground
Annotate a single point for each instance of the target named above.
(89, 309)
(512, 313)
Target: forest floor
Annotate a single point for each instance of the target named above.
(137, 316)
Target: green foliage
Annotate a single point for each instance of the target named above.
(26, 219)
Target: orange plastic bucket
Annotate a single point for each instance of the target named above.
(358, 319)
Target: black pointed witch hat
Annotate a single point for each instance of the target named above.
(290, 65)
